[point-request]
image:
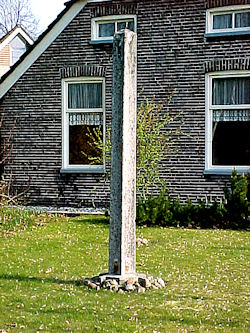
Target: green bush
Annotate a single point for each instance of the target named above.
(232, 212)
(237, 201)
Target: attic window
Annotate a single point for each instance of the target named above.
(228, 20)
(17, 48)
(104, 28)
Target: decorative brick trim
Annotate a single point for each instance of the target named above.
(83, 70)
(227, 65)
(221, 3)
(116, 9)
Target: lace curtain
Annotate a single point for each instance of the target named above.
(231, 115)
(92, 119)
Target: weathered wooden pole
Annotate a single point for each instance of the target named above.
(122, 238)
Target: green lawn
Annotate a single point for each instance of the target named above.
(41, 266)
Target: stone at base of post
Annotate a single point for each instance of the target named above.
(127, 283)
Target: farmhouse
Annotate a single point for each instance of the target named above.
(61, 90)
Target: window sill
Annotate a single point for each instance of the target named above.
(227, 171)
(97, 169)
(101, 41)
(227, 34)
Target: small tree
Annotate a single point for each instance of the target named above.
(155, 139)
(17, 12)
(6, 147)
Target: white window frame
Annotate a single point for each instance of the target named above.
(225, 10)
(209, 167)
(66, 167)
(109, 19)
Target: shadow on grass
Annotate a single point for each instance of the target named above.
(103, 220)
(38, 279)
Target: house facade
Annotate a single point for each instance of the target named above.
(12, 46)
(60, 93)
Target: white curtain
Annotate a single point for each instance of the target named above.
(231, 91)
(222, 21)
(242, 20)
(85, 95)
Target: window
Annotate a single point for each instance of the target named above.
(83, 120)
(17, 47)
(228, 121)
(104, 28)
(228, 20)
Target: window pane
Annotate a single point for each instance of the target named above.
(17, 44)
(83, 131)
(231, 91)
(18, 47)
(85, 95)
(121, 25)
(242, 19)
(222, 21)
(106, 29)
(125, 24)
(16, 54)
(231, 143)
(131, 25)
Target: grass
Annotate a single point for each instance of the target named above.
(42, 266)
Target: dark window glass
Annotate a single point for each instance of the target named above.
(123, 25)
(131, 25)
(81, 144)
(84, 129)
(231, 143)
(242, 20)
(231, 91)
(85, 95)
(106, 29)
(222, 21)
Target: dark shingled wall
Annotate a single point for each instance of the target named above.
(173, 56)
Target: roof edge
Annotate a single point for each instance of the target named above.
(13, 33)
(43, 42)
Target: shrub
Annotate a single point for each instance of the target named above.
(230, 213)
(237, 201)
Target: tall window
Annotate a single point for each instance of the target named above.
(83, 120)
(104, 28)
(228, 121)
(229, 19)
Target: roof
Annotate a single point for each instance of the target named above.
(17, 30)
(72, 8)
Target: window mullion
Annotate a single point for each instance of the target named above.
(233, 20)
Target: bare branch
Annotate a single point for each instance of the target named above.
(13, 12)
